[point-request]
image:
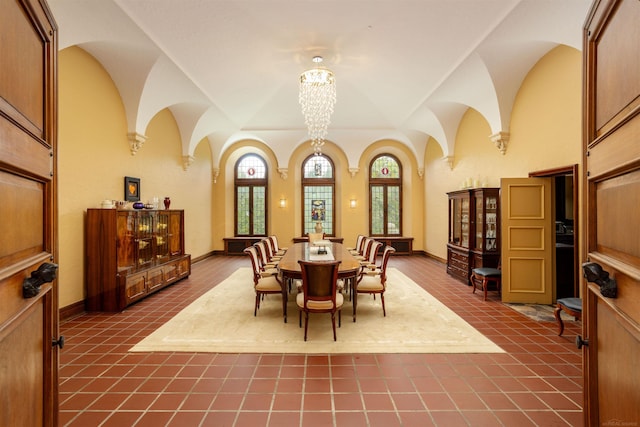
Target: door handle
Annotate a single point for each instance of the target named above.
(581, 342)
(44, 274)
(58, 342)
(594, 272)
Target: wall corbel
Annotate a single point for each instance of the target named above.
(136, 141)
(187, 161)
(501, 140)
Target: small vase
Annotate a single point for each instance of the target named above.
(167, 202)
(318, 227)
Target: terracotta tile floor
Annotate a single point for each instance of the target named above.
(537, 382)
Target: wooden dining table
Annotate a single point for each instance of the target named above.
(291, 270)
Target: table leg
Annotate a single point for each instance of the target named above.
(285, 295)
(354, 294)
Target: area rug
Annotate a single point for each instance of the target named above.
(222, 321)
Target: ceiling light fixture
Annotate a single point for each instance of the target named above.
(317, 98)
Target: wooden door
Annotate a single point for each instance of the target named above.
(28, 242)
(611, 300)
(527, 240)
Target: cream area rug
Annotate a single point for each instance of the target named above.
(222, 321)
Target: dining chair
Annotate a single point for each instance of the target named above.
(279, 250)
(371, 255)
(263, 284)
(265, 264)
(314, 237)
(374, 281)
(365, 249)
(272, 256)
(319, 293)
(358, 247)
(366, 264)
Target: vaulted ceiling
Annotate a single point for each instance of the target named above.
(405, 69)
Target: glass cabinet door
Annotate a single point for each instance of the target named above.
(465, 229)
(175, 241)
(162, 236)
(144, 239)
(479, 241)
(126, 237)
(491, 232)
(455, 220)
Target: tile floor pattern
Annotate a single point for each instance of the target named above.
(537, 382)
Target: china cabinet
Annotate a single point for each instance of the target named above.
(131, 254)
(474, 231)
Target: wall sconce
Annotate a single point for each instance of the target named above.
(283, 202)
(352, 203)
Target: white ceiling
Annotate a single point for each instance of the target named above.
(405, 69)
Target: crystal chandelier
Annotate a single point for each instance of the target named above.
(317, 98)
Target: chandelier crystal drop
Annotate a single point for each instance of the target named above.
(317, 99)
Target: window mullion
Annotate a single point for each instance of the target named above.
(251, 210)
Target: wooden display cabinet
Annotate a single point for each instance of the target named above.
(474, 231)
(131, 254)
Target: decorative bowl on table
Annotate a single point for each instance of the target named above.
(322, 246)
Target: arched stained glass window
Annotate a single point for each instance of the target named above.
(251, 196)
(385, 196)
(318, 195)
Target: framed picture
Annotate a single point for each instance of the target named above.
(131, 189)
(317, 210)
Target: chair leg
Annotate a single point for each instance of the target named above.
(384, 312)
(473, 282)
(558, 317)
(355, 303)
(306, 324)
(333, 323)
(485, 283)
(257, 305)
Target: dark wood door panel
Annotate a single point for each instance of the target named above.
(617, 207)
(22, 212)
(22, 373)
(616, 84)
(617, 345)
(21, 80)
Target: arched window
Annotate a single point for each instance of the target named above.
(385, 196)
(250, 183)
(318, 195)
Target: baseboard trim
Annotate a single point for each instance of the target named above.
(72, 310)
(205, 256)
(434, 257)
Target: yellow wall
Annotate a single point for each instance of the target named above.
(94, 157)
(545, 133)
